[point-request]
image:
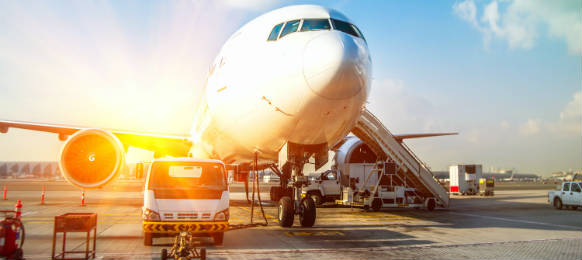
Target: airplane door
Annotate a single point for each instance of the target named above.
(330, 183)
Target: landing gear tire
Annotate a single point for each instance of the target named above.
(557, 203)
(308, 212)
(218, 238)
(376, 204)
(317, 199)
(147, 239)
(286, 213)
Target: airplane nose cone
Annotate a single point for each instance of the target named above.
(335, 65)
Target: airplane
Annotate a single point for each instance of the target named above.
(286, 86)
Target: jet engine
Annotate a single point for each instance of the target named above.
(91, 158)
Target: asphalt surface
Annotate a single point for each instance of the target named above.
(511, 225)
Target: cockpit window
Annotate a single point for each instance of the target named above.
(290, 27)
(275, 32)
(347, 28)
(315, 25)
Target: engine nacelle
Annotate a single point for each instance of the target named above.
(91, 158)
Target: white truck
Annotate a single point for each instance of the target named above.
(324, 187)
(569, 195)
(464, 179)
(360, 186)
(185, 194)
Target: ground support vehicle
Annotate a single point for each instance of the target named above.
(464, 179)
(184, 248)
(486, 187)
(186, 195)
(568, 195)
(324, 187)
(12, 233)
(383, 187)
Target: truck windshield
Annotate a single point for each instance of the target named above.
(187, 175)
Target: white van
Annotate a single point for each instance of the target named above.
(186, 194)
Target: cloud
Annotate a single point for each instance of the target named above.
(467, 11)
(520, 23)
(574, 108)
(401, 109)
(504, 124)
(569, 123)
(531, 127)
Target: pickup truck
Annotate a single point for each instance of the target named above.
(568, 195)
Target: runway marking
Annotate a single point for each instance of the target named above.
(518, 221)
(315, 234)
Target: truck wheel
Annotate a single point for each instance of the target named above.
(376, 204)
(286, 213)
(17, 254)
(202, 253)
(317, 199)
(308, 212)
(147, 239)
(218, 238)
(164, 254)
(557, 203)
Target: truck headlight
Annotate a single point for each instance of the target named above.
(222, 216)
(150, 215)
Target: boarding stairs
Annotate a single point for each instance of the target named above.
(370, 130)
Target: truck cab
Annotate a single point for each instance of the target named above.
(324, 187)
(569, 195)
(185, 194)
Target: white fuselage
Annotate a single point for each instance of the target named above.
(306, 87)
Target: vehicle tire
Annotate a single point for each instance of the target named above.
(147, 239)
(308, 212)
(558, 203)
(430, 205)
(18, 254)
(164, 254)
(202, 253)
(218, 238)
(317, 199)
(376, 204)
(286, 212)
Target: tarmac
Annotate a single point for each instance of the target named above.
(514, 224)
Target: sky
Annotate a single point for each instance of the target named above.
(506, 75)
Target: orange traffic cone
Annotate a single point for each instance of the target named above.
(42, 195)
(18, 209)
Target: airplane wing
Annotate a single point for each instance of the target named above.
(401, 137)
(173, 145)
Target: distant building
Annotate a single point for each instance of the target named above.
(29, 170)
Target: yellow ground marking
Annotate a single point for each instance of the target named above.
(315, 234)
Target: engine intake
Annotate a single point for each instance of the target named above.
(91, 158)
